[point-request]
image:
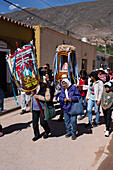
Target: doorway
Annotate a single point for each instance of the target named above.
(3, 71)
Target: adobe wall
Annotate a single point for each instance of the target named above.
(49, 39)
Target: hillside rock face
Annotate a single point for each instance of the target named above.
(87, 19)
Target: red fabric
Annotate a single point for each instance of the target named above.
(111, 76)
(82, 92)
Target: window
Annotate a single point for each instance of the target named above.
(93, 64)
(84, 64)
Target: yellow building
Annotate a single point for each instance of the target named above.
(46, 40)
(10, 33)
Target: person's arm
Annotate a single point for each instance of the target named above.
(61, 97)
(101, 87)
(88, 93)
(42, 98)
(76, 95)
(102, 99)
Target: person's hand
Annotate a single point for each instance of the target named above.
(35, 96)
(104, 108)
(70, 99)
(79, 86)
(65, 100)
(98, 103)
(86, 99)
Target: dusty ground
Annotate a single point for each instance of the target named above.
(18, 151)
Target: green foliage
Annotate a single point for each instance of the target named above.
(101, 49)
(109, 49)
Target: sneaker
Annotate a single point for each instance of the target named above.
(22, 112)
(107, 133)
(73, 137)
(67, 135)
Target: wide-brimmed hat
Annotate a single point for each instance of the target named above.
(101, 69)
(108, 84)
(111, 81)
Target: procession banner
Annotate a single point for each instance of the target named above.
(23, 68)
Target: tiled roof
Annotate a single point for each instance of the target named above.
(15, 22)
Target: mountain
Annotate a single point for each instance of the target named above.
(86, 19)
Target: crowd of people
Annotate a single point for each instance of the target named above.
(91, 90)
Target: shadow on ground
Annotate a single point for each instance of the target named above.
(83, 130)
(57, 128)
(16, 127)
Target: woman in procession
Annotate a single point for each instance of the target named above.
(69, 94)
(93, 98)
(83, 81)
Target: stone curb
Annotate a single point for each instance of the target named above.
(10, 110)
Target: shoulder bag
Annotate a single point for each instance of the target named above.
(77, 108)
(49, 111)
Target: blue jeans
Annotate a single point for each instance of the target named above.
(70, 120)
(92, 103)
(1, 105)
(83, 101)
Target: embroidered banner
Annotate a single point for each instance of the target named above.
(23, 68)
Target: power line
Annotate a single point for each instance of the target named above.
(39, 17)
(23, 9)
(53, 7)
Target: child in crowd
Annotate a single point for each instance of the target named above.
(107, 104)
(58, 91)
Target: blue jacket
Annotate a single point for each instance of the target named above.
(73, 93)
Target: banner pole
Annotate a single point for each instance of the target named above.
(42, 113)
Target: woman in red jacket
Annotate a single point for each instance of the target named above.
(83, 81)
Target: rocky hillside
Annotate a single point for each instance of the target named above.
(87, 19)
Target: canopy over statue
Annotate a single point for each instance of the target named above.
(66, 48)
(23, 68)
(65, 62)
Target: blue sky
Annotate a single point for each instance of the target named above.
(6, 8)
